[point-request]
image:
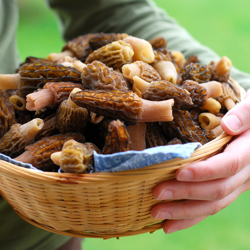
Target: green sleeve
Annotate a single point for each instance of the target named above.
(141, 18)
(8, 23)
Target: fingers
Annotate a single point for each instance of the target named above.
(172, 226)
(237, 120)
(190, 209)
(208, 190)
(234, 158)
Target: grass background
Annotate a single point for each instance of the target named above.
(223, 26)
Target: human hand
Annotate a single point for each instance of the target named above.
(206, 187)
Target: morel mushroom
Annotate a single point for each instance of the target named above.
(75, 157)
(158, 42)
(184, 128)
(124, 105)
(118, 138)
(97, 75)
(19, 136)
(70, 117)
(114, 54)
(32, 76)
(228, 98)
(77, 47)
(101, 39)
(38, 154)
(196, 72)
(7, 113)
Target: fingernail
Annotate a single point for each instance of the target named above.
(232, 122)
(185, 175)
(172, 230)
(165, 195)
(163, 215)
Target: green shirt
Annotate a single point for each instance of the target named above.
(140, 18)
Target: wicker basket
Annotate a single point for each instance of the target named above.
(98, 205)
(101, 205)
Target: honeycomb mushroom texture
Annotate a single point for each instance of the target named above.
(154, 135)
(197, 92)
(196, 72)
(117, 139)
(114, 54)
(164, 90)
(12, 143)
(7, 113)
(35, 74)
(71, 119)
(80, 46)
(101, 39)
(184, 128)
(42, 149)
(115, 104)
(99, 76)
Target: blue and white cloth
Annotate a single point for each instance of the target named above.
(131, 159)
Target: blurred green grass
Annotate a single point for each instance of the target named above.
(221, 25)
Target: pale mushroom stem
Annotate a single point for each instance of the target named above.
(55, 157)
(30, 129)
(96, 118)
(25, 157)
(40, 99)
(214, 88)
(229, 103)
(154, 111)
(69, 102)
(138, 134)
(140, 84)
(61, 55)
(166, 70)
(9, 81)
(217, 130)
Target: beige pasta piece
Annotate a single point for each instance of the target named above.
(221, 70)
(211, 105)
(9, 81)
(59, 56)
(209, 121)
(114, 54)
(227, 98)
(142, 70)
(166, 70)
(143, 50)
(18, 102)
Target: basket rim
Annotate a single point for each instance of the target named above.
(206, 149)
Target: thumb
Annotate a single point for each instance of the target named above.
(237, 119)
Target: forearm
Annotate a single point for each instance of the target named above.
(141, 18)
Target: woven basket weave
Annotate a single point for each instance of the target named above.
(101, 205)
(98, 205)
